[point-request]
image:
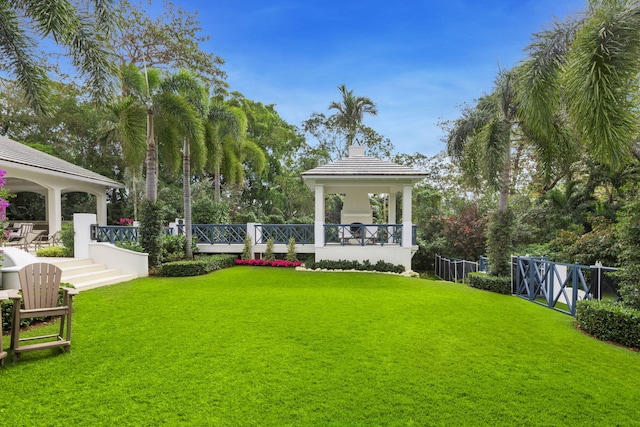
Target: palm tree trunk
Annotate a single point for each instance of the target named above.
(150, 161)
(216, 178)
(134, 189)
(503, 201)
(186, 188)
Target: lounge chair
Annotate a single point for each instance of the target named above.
(40, 284)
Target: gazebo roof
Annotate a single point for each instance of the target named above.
(20, 156)
(359, 165)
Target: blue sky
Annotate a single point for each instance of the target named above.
(418, 60)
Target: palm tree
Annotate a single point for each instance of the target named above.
(230, 150)
(586, 71)
(351, 111)
(481, 140)
(80, 32)
(126, 125)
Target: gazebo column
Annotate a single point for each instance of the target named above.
(407, 215)
(54, 209)
(392, 207)
(319, 220)
(101, 208)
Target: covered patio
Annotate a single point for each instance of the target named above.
(30, 170)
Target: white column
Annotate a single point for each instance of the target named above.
(101, 208)
(392, 207)
(82, 229)
(319, 220)
(406, 216)
(54, 209)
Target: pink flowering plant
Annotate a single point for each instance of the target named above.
(125, 221)
(265, 263)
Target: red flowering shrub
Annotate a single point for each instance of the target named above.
(265, 263)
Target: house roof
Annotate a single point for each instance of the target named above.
(359, 165)
(13, 153)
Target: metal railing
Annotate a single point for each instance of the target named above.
(281, 233)
(363, 234)
(217, 234)
(114, 233)
(559, 285)
(453, 269)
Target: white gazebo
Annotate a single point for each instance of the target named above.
(31, 170)
(357, 238)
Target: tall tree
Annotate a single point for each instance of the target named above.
(481, 141)
(350, 112)
(125, 125)
(170, 41)
(82, 32)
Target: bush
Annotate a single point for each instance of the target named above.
(247, 250)
(150, 231)
(198, 266)
(366, 265)
(609, 321)
(499, 242)
(268, 253)
(265, 263)
(291, 250)
(174, 247)
(129, 245)
(67, 237)
(54, 251)
(498, 284)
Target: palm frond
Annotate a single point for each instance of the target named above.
(601, 80)
(18, 60)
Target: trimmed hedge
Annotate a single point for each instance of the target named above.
(609, 321)
(198, 266)
(498, 284)
(54, 251)
(366, 265)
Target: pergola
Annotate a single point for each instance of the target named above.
(31, 170)
(356, 177)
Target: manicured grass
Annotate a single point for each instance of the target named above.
(265, 346)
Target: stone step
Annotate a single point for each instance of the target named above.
(83, 274)
(97, 283)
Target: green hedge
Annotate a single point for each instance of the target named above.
(609, 321)
(198, 266)
(498, 284)
(54, 251)
(366, 265)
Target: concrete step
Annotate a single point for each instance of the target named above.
(81, 269)
(106, 281)
(83, 274)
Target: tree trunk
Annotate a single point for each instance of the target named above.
(186, 188)
(135, 195)
(216, 178)
(150, 161)
(503, 201)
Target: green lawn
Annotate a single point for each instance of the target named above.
(265, 346)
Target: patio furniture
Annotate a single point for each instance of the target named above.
(4, 296)
(27, 240)
(20, 230)
(40, 285)
(52, 240)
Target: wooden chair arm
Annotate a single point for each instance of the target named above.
(70, 291)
